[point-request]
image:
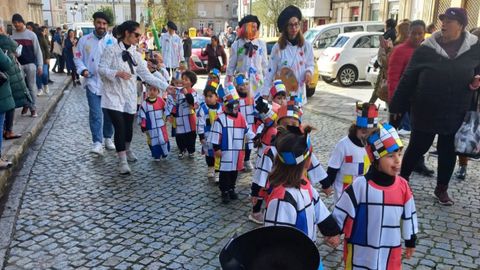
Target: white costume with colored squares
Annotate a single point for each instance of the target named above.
(351, 160)
(206, 117)
(152, 119)
(184, 113)
(374, 218)
(230, 134)
(299, 208)
(247, 110)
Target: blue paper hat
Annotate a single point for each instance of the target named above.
(292, 158)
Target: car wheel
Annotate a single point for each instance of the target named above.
(347, 76)
(328, 79)
(310, 91)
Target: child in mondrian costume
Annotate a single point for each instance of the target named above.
(206, 116)
(228, 137)
(378, 209)
(349, 158)
(152, 117)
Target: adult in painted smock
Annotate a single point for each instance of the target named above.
(248, 55)
(291, 51)
(119, 67)
(172, 48)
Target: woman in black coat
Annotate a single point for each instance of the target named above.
(214, 50)
(437, 90)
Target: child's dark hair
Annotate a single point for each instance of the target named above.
(128, 26)
(352, 130)
(281, 94)
(289, 141)
(209, 90)
(191, 76)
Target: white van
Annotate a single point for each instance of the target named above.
(323, 36)
(84, 27)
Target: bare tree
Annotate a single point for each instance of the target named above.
(269, 10)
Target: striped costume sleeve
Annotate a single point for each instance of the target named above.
(142, 116)
(344, 211)
(321, 211)
(315, 172)
(216, 133)
(280, 213)
(170, 105)
(264, 168)
(409, 217)
(201, 121)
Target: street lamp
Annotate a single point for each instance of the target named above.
(83, 9)
(73, 10)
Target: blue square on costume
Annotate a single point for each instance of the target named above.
(224, 138)
(359, 230)
(362, 121)
(373, 138)
(360, 168)
(392, 148)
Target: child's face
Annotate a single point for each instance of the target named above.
(280, 100)
(178, 83)
(289, 121)
(211, 98)
(186, 82)
(242, 88)
(153, 92)
(391, 163)
(363, 133)
(213, 78)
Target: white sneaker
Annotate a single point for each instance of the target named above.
(40, 93)
(403, 132)
(5, 164)
(123, 166)
(248, 166)
(131, 156)
(97, 149)
(217, 178)
(256, 218)
(157, 159)
(109, 145)
(46, 89)
(211, 173)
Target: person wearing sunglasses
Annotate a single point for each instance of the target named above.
(119, 67)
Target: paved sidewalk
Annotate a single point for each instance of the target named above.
(29, 127)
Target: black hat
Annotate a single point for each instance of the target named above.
(249, 18)
(273, 246)
(17, 18)
(458, 14)
(286, 14)
(171, 25)
(101, 15)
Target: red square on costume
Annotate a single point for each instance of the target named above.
(348, 159)
(389, 142)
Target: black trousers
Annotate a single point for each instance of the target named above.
(210, 161)
(186, 141)
(255, 192)
(248, 152)
(9, 116)
(123, 125)
(227, 180)
(419, 144)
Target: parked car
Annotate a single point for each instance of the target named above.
(321, 37)
(372, 71)
(199, 63)
(347, 59)
(313, 84)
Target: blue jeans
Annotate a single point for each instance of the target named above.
(2, 119)
(96, 118)
(42, 79)
(405, 122)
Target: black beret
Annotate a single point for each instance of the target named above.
(171, 25)
(17, 18)
(101, 15)
(286, 14)
(249, 18)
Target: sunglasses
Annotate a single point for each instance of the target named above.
(137, 35)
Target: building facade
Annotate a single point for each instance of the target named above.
(31, 10)
(216, 14)
(316, 12)
(54, 13)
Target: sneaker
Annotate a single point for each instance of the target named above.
(442, 195)
(256, 218)
(97, 149)
(233, 195)
(217, 178)
(424, 170)
(109, 145)
(157, 159)
(50, 81)
(24, 111)
(131, 157)
(211, 173)
(123, 167)
(461, 174)
(78, 82)
(248, 166)
(180, 156)
(5, 164)
(191, 155)
(34, 114)
(433, 153)
(225, 198)
(40, 93)
(403, 132)
(46, 89)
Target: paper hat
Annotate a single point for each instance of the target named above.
(367, 115)
(271, 116)
(384, 141)
(228, 93)
(277, 88)
(278, 244)
(211, 86)
(240, 79)
(215, 72)
(291, 109)
(292, 158)
(177, 75)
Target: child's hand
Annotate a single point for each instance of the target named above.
(409, 252)
(332, 241)
(328, 191)
(254, 200)
(218, 153)
(475, 84)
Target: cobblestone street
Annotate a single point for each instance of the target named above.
(76, 212)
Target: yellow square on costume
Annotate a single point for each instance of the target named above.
(366, 164)
(347, 179)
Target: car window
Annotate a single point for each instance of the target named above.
(327, 38)
(340, 41)
(270, 46)
(367, 42)
(311, 34)
(355, 28)
(375, 28)
(198, 43)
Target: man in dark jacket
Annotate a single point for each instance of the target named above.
(187, 48)
(437, 89)
(390, 32)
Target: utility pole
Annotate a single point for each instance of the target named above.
(133, 10)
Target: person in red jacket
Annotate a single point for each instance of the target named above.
(397, 63)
